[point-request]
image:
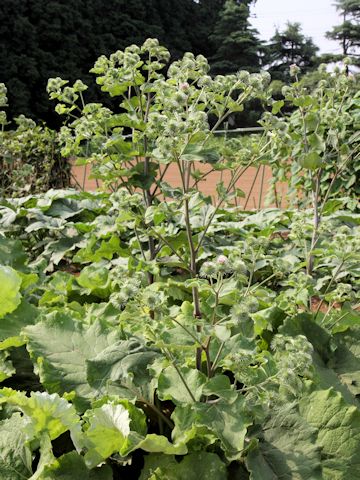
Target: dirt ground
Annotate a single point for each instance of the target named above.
(250, 183)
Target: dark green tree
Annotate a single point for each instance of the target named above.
(206, 16)
(48, 38)
(347, 34)
(235, 41)
(288, 47)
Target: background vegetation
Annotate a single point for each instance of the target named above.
(40, 39)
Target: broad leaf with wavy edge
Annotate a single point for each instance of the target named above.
(15, 454)
(196, 466)
(10, 296)
(61, 347)
(315, 439)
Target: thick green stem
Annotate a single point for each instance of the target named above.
(193, 267)
(317, 218)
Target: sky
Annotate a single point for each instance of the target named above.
(315, 16)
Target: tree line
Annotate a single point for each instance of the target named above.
(48, 38)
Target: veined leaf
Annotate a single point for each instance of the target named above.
(61, 346)
(196, 466)
(14, 322)
(108, 431)
(122, 365)
(171, 386)
(346, 359)
(6, 367)
(94, 279)
(15, 454)
(119, 427)
(210, 422)
(287, 450)
(338, 433)
(316, 439)
(71, 466)
(12, 253)
(336, 359)
(46, 413)
(196, 152)
(311, 161)
(10, 296)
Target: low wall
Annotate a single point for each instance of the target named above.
(250, 183)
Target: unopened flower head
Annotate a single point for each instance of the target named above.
(294, 70)
(222, 260)
(208, 270)
(184, 86)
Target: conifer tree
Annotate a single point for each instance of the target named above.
(347, 34)
(49, 38)
(235, 41)
(288, 47)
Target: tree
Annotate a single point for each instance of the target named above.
(348, 33)
(236, 43)
(205, 16)
(49, 38)
(288, 47)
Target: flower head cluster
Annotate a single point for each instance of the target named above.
(242, 311)
(128, 290)
(153, 299)
(212, 269)
(293, 353)
(3, 93)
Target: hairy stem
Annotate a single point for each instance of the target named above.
(317, 218)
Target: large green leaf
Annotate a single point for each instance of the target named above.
(57, 289)
(6, 367)
(12, 253)
(211, 422)
(336, 359)
(71, 466)
(159, 444)
(119, 427)
(196, 466)
(196, 152)
(95, 252)
(46, 413)
(317, 438)
(61, 347)
(338, 433)
(46, 456)
(286, 450)
(95, 279)
(345, 360)
(108, 431)
(15, 454)
(311, 161)
(121, 366)
(10, 296)
(267, 319)
(58, 249)
(67, 207)
(181, 389)
(12, 324)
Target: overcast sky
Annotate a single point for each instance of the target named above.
(315, 16)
